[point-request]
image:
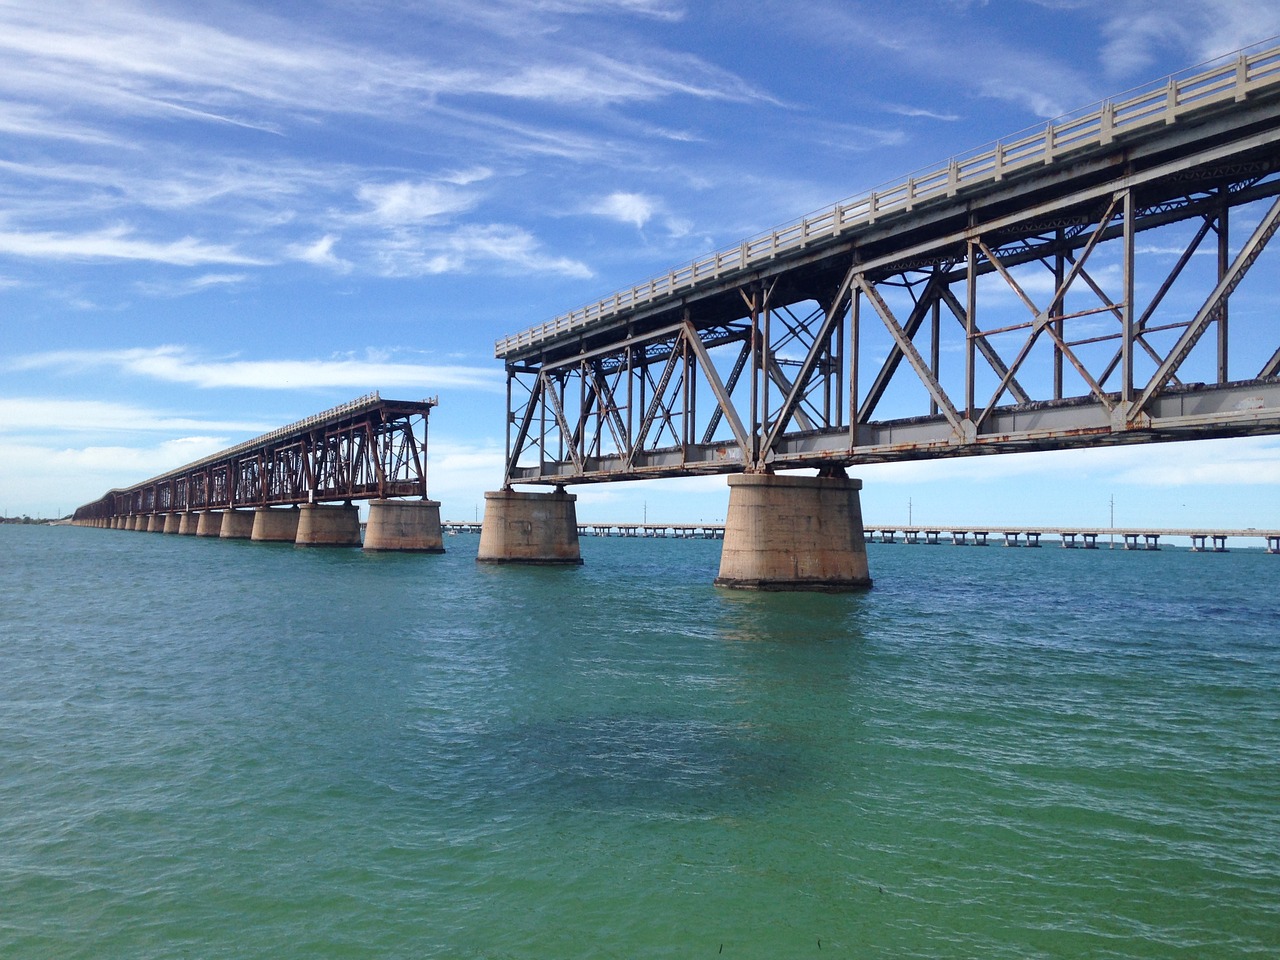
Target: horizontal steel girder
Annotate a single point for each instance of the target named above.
(1234, 411)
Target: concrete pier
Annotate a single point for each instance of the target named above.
(209, 524)
(794, 533)
(275, 525)
(529, 528)
(155, 523)
(236, 525)
(410, 526)
(328, 525)
(187, 523)
(172, 522)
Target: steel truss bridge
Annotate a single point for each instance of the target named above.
(1098, 281)
(368, 448)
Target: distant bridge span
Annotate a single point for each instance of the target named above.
(1098, 281)
(366, 449)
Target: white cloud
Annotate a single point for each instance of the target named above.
(468, 247)
(118, 243)
(633, 208)
(177, 365)
(320, 254)
(52, 415)
(395, 204)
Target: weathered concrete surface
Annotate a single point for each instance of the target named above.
(236, 525)
(209, 524)
(529, 528)
(172, 522)
(155, 523)
(187, 523)
(275, 525)
(328, 525)
(794, 533)
(411, 526)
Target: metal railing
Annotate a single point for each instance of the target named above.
(1231, 79)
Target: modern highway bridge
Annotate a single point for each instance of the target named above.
(1100, 280)
(369, 449)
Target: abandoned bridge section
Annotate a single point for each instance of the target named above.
(1096, 281)
(368, 449)
(1099, 280)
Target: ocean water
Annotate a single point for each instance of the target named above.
(218, 749)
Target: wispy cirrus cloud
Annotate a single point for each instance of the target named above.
(58, 414)
(119, 243)
(470, 247)
(175, 364)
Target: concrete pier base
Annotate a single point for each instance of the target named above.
(794, 533)
(236, 525)
(275, 525)
(328, 525)
(155, 523)
(172, 521)
(411, 526)
(529, 528)
(187, 523)
(209, 524)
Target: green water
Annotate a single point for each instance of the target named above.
(217, 749)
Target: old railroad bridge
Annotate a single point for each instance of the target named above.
(1100, 280)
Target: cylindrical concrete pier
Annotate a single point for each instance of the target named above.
(155, 523)
(328, 525)
(209, 524)
(187, 522)
(411, 526)
(794, 533)
(236, 525)
(172, 522)
(275, 525)
(529, 528)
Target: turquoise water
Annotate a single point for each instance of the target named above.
(217, 749)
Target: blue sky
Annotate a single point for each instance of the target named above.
(216, 219)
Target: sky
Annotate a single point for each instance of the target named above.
(218, 219)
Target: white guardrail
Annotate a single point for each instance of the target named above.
(1232, 79)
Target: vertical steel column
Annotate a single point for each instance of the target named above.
(1056, 310)
(1224, 264)
(935, 327)
(753, 303)
(970, 330)
(1128, 313)
(855, 330)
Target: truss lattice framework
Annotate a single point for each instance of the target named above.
(1131, 309)
(365, 449)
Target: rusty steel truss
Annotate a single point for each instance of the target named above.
(1103, 280)
(368, 448)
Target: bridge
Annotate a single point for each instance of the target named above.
(297, 483)
(1092, 282)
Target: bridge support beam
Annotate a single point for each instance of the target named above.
(794, 533)
(529, 528)
(409, 526)
(236, 525)
(275, 525)
(209, 524)
(328, 525)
